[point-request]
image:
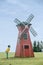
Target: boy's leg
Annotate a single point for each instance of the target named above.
(7, 55)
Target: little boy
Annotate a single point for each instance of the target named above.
(7, 51)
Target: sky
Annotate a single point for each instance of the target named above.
(21, 9)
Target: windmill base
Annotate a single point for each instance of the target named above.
(24, 50)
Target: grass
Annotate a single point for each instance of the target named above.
(37, 60)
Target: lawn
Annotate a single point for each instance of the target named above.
(37, 60)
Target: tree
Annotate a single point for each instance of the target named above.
(38, 47)
(34, 47)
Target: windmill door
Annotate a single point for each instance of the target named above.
(26, 50)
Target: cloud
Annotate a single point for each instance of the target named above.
(12, 1)
(17, 7)
(2, 0)
(40, 2)
(12, 7)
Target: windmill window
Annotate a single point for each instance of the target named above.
(25, 36)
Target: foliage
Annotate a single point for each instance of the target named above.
(37, 47)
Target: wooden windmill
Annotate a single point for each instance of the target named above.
(24, 44)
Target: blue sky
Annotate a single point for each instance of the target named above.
(21, 9)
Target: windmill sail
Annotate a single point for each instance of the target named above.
(33, 31)
(17, 21)
(31, 16)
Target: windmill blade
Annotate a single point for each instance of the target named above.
(17, 21)
(31, 16)
(33, 31)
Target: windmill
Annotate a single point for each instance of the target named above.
(24, 44)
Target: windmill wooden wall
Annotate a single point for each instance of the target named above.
(24, 46)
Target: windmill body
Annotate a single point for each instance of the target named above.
(24, 44)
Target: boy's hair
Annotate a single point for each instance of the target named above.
(9, 46)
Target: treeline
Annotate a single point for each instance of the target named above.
(38, 46)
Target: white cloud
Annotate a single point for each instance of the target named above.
(2, 0)
(12, 1)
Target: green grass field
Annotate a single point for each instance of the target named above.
(37, 60)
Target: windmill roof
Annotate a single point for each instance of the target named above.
(25, 23)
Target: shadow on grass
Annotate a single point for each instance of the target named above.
(12, 58)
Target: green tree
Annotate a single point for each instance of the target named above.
(34, 47)
(38, 47)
